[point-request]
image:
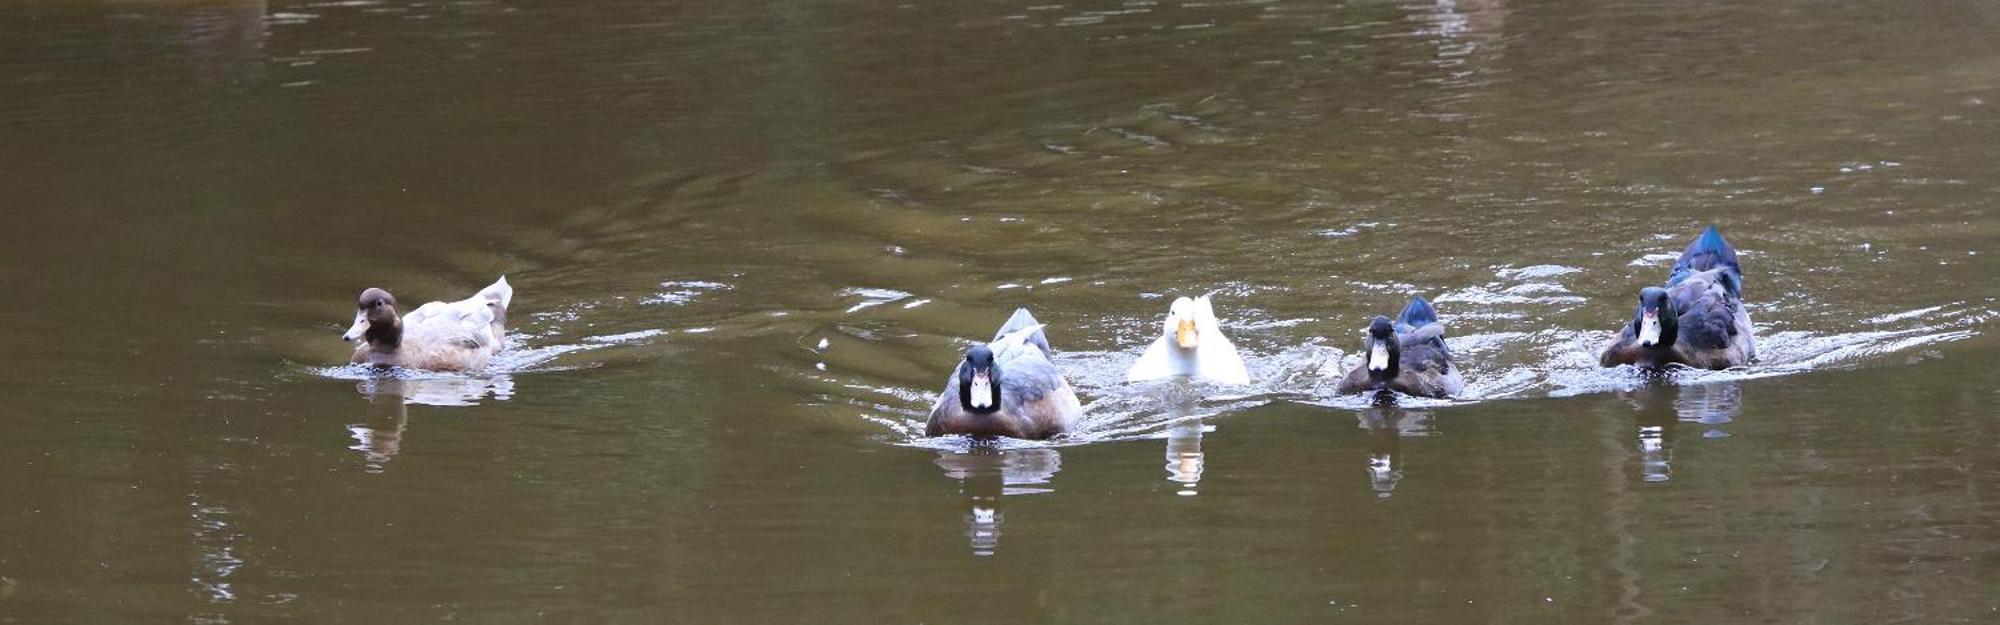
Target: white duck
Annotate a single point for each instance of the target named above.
(1191, 345)
(441, 336)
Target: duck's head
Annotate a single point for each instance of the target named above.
(375, 319)
(1655, 323)
(1182, 323)
(1383, 353)
(979, 381)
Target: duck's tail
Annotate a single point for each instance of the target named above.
(499, 291)
(1418, 314)
(1024, 319)
(1709, 251)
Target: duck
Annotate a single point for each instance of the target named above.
(438, 336)
(1407, 356)
(1697, 319)
(1007, 387)
(1191, 345)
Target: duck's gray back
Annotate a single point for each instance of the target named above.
(1026, 374)
(1424, 348)
(1709, 313)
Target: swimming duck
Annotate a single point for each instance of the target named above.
(1407, 356)
(1697, 320)
(440, 336)
(1192, 345)
(1008, 387)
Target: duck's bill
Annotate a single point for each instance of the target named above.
(1649, 328)
(1184, 334)
(359, 328)
(1378, 356)
(982, 390)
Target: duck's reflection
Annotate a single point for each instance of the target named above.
(1180, 401)
(986, 475)
(1711, 405)
(1656, 451)
(380, 436)
(226, 38)
(1184, 457)
(1389, 425)
(1660, 408)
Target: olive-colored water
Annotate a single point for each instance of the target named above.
(749, 239)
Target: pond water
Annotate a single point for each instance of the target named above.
(750, 239)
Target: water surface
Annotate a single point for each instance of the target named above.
(749, 240)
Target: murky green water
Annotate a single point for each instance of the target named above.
(749, 240)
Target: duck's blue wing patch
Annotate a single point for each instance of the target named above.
(1416, 315)
(1421, 336)
(1709, 252)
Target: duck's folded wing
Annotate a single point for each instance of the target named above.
(467, 323)
(1711, 317)
(1156, 363)
(1027, 375)
(1426, 333)
(1424, 348)
(1709, 324)
(1217, 361)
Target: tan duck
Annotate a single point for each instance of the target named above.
(438, 336)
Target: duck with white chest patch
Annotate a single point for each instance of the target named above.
(1008, 387)
(1406, 356)
(1697, 319)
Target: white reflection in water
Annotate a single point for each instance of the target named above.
(1661, 409)
(379, 438)
(226, 39)
(1184, 458)
(1655, 459)
(215, 538)
(1713, 404)
(986, 474)
(439, 391)
(1388, 424)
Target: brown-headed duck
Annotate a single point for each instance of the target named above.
(439, 336)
